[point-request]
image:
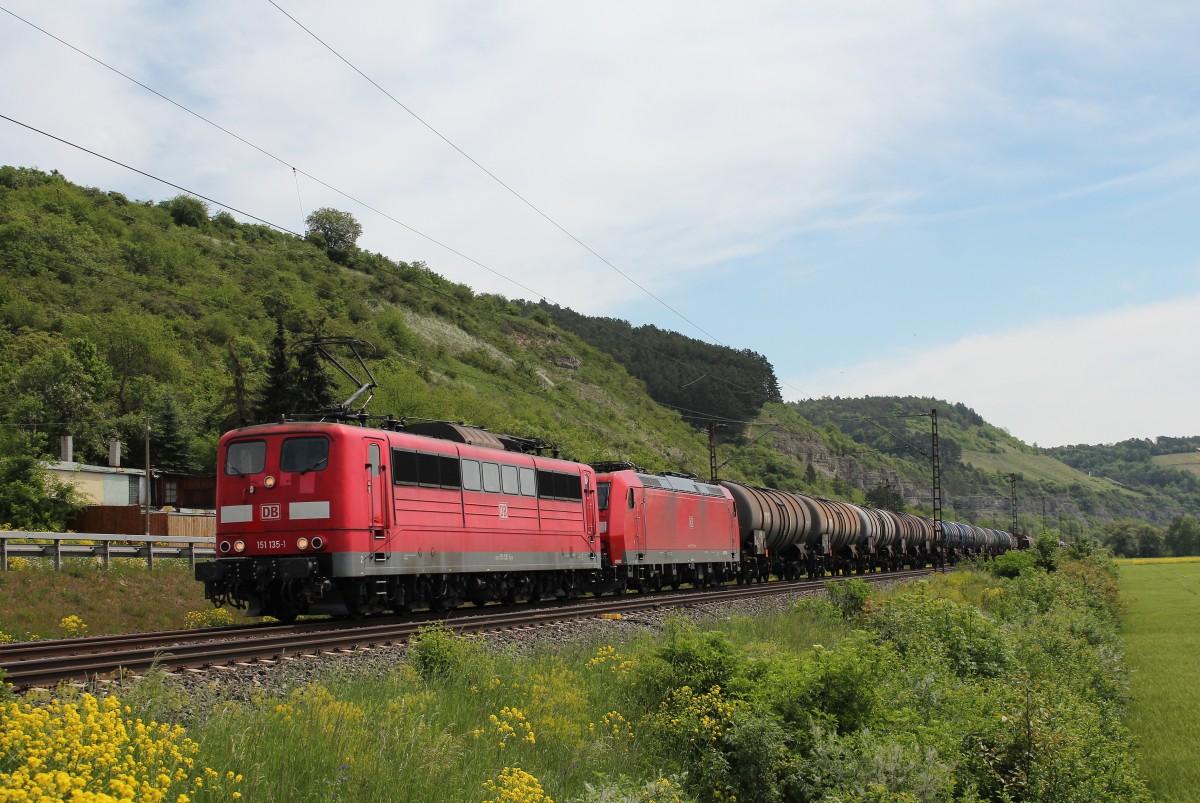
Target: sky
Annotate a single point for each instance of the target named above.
(992, 203)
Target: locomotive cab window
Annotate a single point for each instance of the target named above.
(246, 457)
(602, 492)
(304, 455)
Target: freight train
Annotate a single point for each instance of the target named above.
(329, 517)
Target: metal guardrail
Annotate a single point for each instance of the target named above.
(103, 545)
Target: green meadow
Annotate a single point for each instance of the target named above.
(1162, 642)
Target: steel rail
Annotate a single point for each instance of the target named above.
(29, 665)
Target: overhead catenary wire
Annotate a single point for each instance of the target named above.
(493, 176)
(148, 175)
(298, 171)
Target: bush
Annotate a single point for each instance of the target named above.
(849, 596)
(836, 689)
(187, 211)
(689, 658)
(921, 625)
(438, 652)
(1012, 563)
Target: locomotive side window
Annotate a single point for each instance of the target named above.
(602, 492)
(471, 478)
(304, 455)
(404, 467)
(491, 478)
(528, 482)
(448, 472)
(559, 485)
(508, 480)
(246, 457)
(425, 468)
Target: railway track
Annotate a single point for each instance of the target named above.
(47, 663)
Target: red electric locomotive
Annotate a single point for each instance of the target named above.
(665, 530)
(331, 518)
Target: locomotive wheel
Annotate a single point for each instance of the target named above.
(444, 604)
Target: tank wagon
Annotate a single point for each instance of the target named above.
(341, 519)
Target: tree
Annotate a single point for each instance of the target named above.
(274, 396)
(1133, 539)
(294, 385)
(337, 232)
(187, 211)
(1183, 536)
(30, 499)
(885, 497)
(312, 387)
(59, 389)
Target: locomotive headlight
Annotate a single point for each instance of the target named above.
(239, 546)
(301, 543)
(318, 542)
(268, 482)
(224, 547)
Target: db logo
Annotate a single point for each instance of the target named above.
(268, 512)
(504, 511)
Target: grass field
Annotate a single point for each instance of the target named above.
(1163, 650)
(34, 598)
(1010, 460)
(1186, 461)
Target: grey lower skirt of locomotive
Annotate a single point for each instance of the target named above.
(284, 587)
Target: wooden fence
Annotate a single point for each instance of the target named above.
(132, 519)
(58, 546)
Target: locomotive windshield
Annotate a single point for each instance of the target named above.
(246, 457)
(304, 454)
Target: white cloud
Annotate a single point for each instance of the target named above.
(677, 139)
(1090, 379)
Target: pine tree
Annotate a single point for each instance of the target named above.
(275, 396)
(312, 387)
(169, 447)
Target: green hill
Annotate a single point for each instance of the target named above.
(978, 460)
(114, 310)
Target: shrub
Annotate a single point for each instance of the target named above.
(1012, 563)
(689, 658)
(1046, 551)
(835, 688)
(867, 766)
(438, 652)
(187, 211)
(920, 625)
(849, 596)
